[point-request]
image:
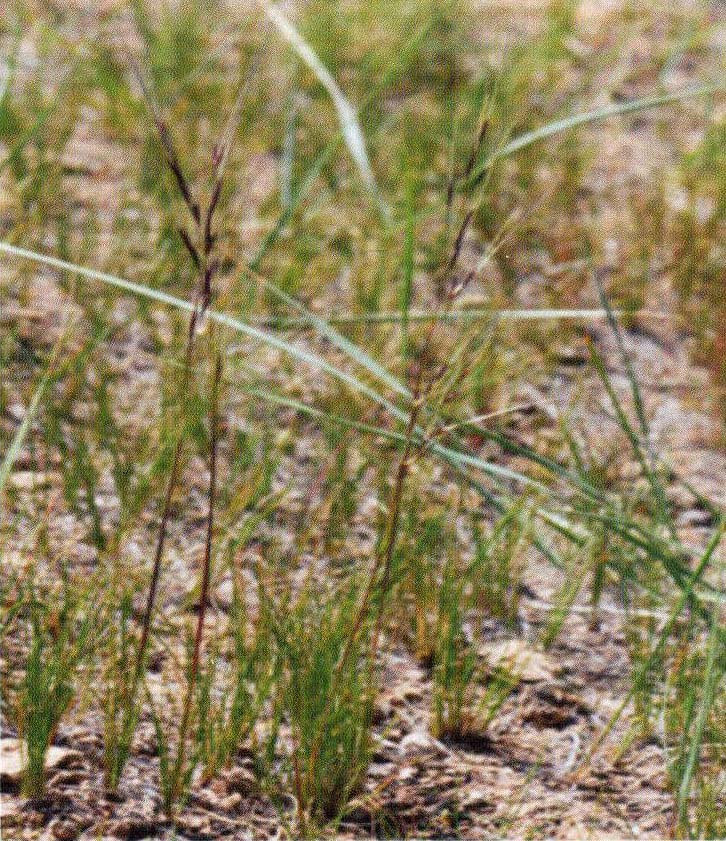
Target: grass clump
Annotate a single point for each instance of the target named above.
(60, 632)
(497, 567)
(226, 717)
(326, 696)
(120, 710)
(455, 660)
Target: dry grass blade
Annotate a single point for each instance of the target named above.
(466, 315)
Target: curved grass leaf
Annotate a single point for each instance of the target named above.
(351, 129)
(224, 319)
(712, 677)
(324, 328)
(21, 432)
(641, 674)
(557, 126)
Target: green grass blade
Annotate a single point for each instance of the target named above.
(407, 269)
(617, 108)
(287, 159)
(352, 132)
(22, 431)
(641, 674)
(301, 194)
(634, 387)
(713, 675)
(224, 319)
(407, 53)
(355, 352)
(656, 487)
(325, 417)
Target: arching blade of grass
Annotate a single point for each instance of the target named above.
(352, 350)
(502, 502)
(321, 160)
(647, 456)
(557, 126)
(499, 500)
(452, 456)
(455, 458)
(224, 319)
(460, 461)
(325, 417)
(22, 431)
(350, 126)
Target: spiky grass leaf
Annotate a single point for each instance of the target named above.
(642, 672)
(23, 429)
